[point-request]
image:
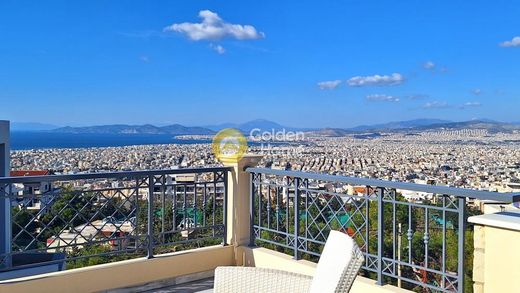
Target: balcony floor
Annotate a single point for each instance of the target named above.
(168, 286)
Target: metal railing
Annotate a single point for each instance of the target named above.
(413, 241)
(85, 219)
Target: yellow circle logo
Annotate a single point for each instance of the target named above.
(229, 143)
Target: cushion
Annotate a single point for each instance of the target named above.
(335, 257)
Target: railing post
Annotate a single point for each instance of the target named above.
(238, 221)
(462, 237)
(225, 209)
(380, 236)
(150, 216)
(296, 216)
(251, 210)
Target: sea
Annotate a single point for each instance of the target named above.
(46, 140)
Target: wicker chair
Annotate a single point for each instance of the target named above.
(337, 269)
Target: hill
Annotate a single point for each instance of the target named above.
(262, 124)
(399, 124)
(175, 129)
(490, 126)
(420, 125)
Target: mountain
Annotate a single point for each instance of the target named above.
(185, 130)
(113, 129)
(399, 125)
(489, 125)
(31, 126)
(262, 124)
(266, 125)
(218, 127)
(332, 132)
(418, 126)
(175, 129)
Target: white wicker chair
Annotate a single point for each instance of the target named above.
(337, 269)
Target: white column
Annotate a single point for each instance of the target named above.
(238, 200)
(5, 203)
(496, 264)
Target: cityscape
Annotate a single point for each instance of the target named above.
(273, 146)
(478, 157)
(473, 159)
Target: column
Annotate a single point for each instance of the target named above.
(238, 199)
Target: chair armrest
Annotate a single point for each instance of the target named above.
(251, 279)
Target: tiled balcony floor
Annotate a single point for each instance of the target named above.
(169, 286)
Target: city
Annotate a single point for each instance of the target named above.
(429, 158)
(87, 212)
(274, 146)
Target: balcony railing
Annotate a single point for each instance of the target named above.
(417, 240)
(70, 221)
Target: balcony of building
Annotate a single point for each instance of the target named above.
(169, 230)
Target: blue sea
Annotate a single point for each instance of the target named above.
(46, 140)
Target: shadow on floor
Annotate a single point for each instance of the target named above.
(204, 285)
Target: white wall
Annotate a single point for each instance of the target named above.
(4, 148)
(5, 206)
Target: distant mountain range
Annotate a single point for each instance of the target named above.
(416, 125)
(489, 125)
(422, 125)
(175, 129)
(262, 124)
(330, 132)
(400, 124)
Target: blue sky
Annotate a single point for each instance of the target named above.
(300, 63)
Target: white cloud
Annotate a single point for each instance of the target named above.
(382, 98)
(144, 59)
(515, 42)
(329, 85)
(446, 105)
(376, 80)
(218, 48)
(213, 27)
(436, 105)
(476, 92)
(429, 65)
(471, 105)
